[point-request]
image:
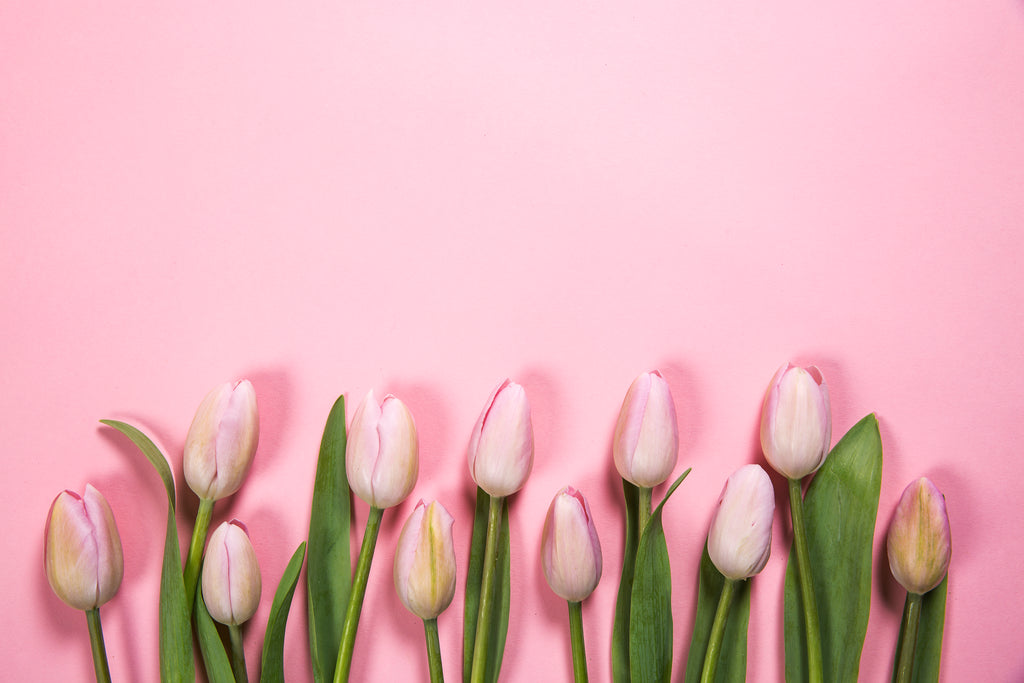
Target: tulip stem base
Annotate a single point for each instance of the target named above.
(908, 643)
(195, 551)
(355, 601)
(644, 506)
(483, 623)
(579, 651)
(803, 565)
(433, 650)
(237, 654)
(717, 631)
(99, 649)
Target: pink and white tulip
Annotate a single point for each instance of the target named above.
(918, 543)
(231, 575)
(570, 548)
(221, 441)
(501, 446)
(646, 442)
(796, 421)
(425, 561)
(740, 539)
(382, 455)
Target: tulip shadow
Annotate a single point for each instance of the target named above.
(546, 401)
(436, 451)
(683, 383)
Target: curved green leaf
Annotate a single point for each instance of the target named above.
(176, 662)
(215, 657)
(502, 587)
(840, 508)
(620, 628)
(928, 651)
(272, 664)
(732, 658)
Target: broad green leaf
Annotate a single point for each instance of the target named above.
(176, 662)
(732, 658)
(620, 628)
(650, 610)
(215, 657)
(272, 664)
(502, 587)
(329, 565)
(840, 508)
(928, 651)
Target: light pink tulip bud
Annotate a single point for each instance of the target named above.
(231, 575)
(646, 442)
(918, 542)
(740, 539)
(501, 447)
(382, 456)
(570, 549)
(222, 441)
(83, 557)
(796, 421)
(425, 561)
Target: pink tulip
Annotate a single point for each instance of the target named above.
(646, 442)
(83, 557)
(231, 575)
(501, 447)
(740, 539)
(382, 456)
(570, 549)
(222, 440)
(425, 561)
(796, 421)
(918, 543)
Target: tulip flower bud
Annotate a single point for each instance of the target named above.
(501, 447)
(796, 421)
(83, 557)
(231, 575)
(570, 549)
(918, 543)
(740, 539)
(222, 441)
(646, 442)
(425, 561)
(382, 456)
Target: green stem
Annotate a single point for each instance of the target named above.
(237, 654)
(433, 650)
(908, 638)
(99, 650)
(579, 652)
(717, 631)
(195, 551)
(644, 508)
(483, 622)
(803, 564)
(355, 601)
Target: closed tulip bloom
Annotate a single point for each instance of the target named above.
(83, 557)
(425, 561)
(740, 539)
(222, 440)
(796, 421)
(501, 447)
(382, 456)
(646, 442)
(570, 549)
(231, 575)
(918, 542)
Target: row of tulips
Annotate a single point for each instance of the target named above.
(379, 452)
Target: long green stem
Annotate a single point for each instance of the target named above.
(237, 654)
(433, 650)
(195, 551)
(644, 508)
(717, 631)
(355, 601)
(803, 563)
(483, 622)
(908, 638)
(99, 650)
(579, 651)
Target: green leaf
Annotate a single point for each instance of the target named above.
(620, 628)
(502, 587)
(215, 657)
(650, 611)
(176, 662)
(840, 508)
(928, 651)
(732, 658)
(329, 566)
(272, 665)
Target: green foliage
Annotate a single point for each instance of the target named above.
(732, 659)
(502, 587)
(272, 664)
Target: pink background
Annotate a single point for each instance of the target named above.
(425, 197)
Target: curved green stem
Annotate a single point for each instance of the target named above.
(433, 650)
(237, 654)
(717, 631)
(483, 622)
(643, 508)
(355, 601)
(803, 564)
(99, 650)
(195, 551)
(908, 638)
(579, 652)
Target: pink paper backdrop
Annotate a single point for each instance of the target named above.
(425, 197)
